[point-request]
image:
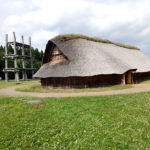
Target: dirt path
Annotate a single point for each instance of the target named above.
(10, 91)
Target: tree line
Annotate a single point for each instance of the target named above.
(37, 60)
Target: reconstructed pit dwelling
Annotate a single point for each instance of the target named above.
(79, 61)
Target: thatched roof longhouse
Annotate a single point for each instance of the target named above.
(88, 58)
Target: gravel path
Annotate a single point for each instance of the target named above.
(10, 91)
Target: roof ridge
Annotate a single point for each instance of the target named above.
(95, 39)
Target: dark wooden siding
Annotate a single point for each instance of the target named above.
(81, 82)
(141, 76)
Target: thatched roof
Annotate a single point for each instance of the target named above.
(88, 58)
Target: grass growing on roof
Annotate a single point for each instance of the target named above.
(104, 122)
(96, 39)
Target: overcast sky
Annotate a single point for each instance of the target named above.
(125, 21)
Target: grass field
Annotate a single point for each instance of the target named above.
(144, 81)
(88, 123)
(36, 87)
(3, 84)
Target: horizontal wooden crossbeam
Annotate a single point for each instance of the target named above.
(17, 69)
(16, 56)
(20, 44)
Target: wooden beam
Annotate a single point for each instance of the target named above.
(15, 59)
(16, 56)
(24, 73)
(19, 44)
(17, 69)
(6, 60)
(31, 57)
(129, 77)
(124, 78)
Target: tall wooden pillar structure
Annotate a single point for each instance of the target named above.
(15, 57)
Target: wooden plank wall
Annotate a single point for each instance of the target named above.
(141, 76)
(81, 82)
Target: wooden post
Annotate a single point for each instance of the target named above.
(15, 59)
(129, 77)
(124, 78)
(24, 73)
(6, 59)
(32, 72)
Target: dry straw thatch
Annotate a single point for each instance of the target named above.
(89, 57)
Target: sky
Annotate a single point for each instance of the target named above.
(123, 21)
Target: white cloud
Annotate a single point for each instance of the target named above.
(43, 35)
(121, 21)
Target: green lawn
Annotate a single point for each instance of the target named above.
(36, 87)
(88, 123)
(144, 81)
(3, 84)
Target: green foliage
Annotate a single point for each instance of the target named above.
(2, 63)
(96, 39)
(103, 122)
(37, 60)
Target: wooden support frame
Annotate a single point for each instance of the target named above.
(15, 56)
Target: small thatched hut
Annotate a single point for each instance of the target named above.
(81, 61)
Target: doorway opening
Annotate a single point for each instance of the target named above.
(128, 77)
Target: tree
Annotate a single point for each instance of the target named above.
(1, 61)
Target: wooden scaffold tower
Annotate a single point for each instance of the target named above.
(15, 56)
